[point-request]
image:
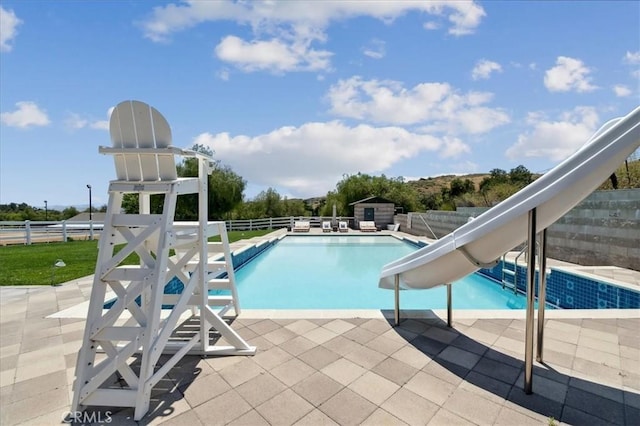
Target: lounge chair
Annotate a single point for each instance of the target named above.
(342, 226)
(368, 226)
(301, 226)
(326, 226)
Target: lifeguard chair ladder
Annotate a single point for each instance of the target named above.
(136, 322)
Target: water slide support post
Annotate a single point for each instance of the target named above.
(449, 309)
(542, 292)
(396, 290)
(531, 275)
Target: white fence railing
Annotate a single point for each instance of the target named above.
(28, 232)
(281, 222)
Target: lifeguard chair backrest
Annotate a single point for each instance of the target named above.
(138, 126)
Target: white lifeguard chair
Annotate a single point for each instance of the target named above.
(136, 323)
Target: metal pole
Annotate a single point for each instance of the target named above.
(531, 274)
(90, 215)
(90, 209)
(46, 212)
(449, 309)
(542, 292)
(397, 301)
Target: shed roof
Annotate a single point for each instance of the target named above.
(372, 200)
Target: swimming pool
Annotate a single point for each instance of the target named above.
(341, 272)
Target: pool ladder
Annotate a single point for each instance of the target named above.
(510, 276)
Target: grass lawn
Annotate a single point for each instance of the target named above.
(33, 264)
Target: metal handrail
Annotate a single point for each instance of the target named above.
(515, 267)
(428, 227)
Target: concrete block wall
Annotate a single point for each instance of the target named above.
(604, 229)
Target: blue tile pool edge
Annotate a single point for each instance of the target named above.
(571, 290)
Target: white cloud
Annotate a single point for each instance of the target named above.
(484, 68)
(555, 139)
(632, 57)
(273, 55)
(9, 23)
(316, 155)
(464, 16)
(376, 49)
(568, 74)
(436, 106)
(287, 30)
(431, 26)
(26, 115)
(102, 124)
(75, 121)
(621, 91)
(454, 147)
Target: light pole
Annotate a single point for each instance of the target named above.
(46, 212)
(90, 215)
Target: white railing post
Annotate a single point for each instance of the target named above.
(27, 231)
(90, 229)
(270, 223)
(64, 231)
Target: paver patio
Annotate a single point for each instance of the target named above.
(341, 370)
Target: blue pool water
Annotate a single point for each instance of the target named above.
(341, 272)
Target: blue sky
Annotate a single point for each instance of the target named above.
(293, 95)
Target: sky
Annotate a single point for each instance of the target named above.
(296, 95)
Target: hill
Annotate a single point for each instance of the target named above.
(627, 175)
(434, 185)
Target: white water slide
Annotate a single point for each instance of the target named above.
(485, 239)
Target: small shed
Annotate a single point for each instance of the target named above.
(375, 209)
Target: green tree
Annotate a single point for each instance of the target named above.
(69, 212)
(460, 187)
(431, 201)
(520, 176)
(333, 198)
(225, 189)
(357, 187)
(294, 207)
(269, 202)
(225, 192)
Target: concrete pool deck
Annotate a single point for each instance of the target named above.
(342, 368)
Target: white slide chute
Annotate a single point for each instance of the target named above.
(483, 240)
